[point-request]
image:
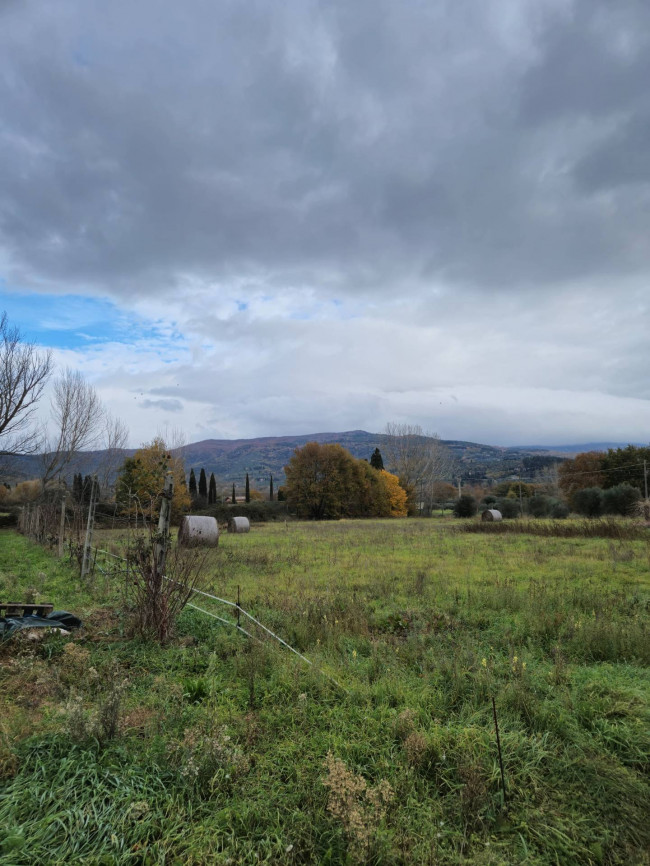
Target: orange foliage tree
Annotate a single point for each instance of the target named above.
(142, 478)
(581, 472)
(396, 494)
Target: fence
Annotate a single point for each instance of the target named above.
(100, 555)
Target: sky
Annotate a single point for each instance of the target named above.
(242, 219)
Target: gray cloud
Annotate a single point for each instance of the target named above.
(341, 145)
(167, 405)
(453, 174)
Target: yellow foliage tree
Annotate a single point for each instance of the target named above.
(141, 481)
(396, 494)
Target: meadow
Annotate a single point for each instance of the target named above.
(224, 749)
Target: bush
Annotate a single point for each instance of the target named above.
(559, 509)
(509, 508)
(539, 506)
(621, 499)
(257, 512)
(588, 502)
(465, 506)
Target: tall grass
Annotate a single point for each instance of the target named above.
(226, 750)
(595, 528)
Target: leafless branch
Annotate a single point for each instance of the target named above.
(79, 416)
(24, 371)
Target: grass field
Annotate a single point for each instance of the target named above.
(219, 749)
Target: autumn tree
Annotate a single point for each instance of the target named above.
(319, 480)
(584, 471)
(141, 481)
(326, 482)
(396, 494)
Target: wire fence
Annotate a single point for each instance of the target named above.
(123, 570)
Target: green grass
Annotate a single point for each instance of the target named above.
(222, 741)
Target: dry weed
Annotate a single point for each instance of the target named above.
(206, 760)
(358, 807)
(415, 746)
(405, 724)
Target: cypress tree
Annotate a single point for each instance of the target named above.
(233, 500)
(192, 485)
(376, 460)
(271, 490)
(87, 489)
(212, 490)
(248, 489)
(203, 485)
(77, 488)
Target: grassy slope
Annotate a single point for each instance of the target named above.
(220, 754)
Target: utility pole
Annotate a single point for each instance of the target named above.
(645, 477)
(459, 486)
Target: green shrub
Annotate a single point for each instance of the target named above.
(559, 509)
(539, 506)
(509, 508)
(588, 502)
(621, 499)
(465, 506)
(256, 511)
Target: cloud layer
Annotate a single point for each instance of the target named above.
(335, 214)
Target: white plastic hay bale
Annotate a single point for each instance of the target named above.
(198, 532)
(492, 514)
(239, 524)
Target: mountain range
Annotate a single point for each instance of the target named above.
(231, 459)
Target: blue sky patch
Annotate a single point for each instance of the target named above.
(73, 321)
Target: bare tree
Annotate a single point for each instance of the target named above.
(548, 480)
(419, 459)
(115, 437)
(79, 417)
(24, 371)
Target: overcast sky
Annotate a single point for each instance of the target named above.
(246, 218)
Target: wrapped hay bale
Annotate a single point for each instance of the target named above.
(239, 524)
(198, 532)
(492, 514)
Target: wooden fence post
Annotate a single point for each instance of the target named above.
(85, 563)
(162, 540)
(62, 526)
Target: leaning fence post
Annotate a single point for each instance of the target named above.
(496, 728)
(85, 563)
(162, 542)
(62, 526)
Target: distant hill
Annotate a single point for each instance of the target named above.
(231, 459)
(578, 449)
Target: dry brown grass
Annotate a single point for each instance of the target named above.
(358, 807)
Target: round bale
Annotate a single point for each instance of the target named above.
(198, 532)
(239, 524)
(492, 514)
